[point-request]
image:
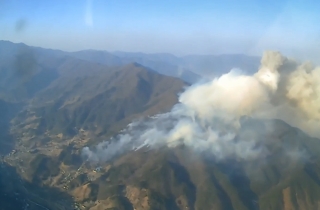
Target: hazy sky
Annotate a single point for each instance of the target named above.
(174, 26)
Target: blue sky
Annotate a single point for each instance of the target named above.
(175, 26)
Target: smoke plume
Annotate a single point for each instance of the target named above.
(208, 117)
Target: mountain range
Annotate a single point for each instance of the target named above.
(190, 68)
(54, 103)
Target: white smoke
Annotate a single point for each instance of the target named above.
(207, 119)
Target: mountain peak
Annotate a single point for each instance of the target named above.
(134, 64)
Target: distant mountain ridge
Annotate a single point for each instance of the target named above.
(189, 68)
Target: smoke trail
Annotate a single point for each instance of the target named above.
(207, 119)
